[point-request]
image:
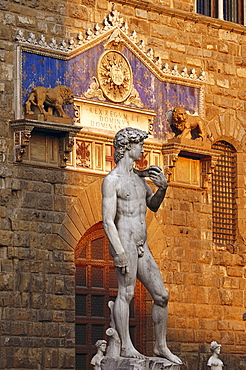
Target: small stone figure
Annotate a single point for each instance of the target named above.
(101, 348)
(214, 362)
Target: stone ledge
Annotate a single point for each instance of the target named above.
(191, 16)
(148, 363)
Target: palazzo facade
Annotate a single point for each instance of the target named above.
(103, 66)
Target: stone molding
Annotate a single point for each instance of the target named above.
(192, 16)
(234, 133)
(80, 215)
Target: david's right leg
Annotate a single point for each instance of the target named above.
(121, 313)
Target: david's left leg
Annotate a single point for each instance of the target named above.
(149, 275)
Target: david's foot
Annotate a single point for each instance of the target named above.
(131, 353)
(166, 353)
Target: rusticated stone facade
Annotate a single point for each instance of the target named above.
(46, 209)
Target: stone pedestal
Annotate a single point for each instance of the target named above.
(49, 118)
(148, 363)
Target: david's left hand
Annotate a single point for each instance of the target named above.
(158, 177)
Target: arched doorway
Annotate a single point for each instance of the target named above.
(96, 284)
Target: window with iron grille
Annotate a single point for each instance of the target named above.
(96, 284)
(224, 194)
(228, 10)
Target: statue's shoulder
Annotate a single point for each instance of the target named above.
(112, 176)
(112, 179)
(209, 363)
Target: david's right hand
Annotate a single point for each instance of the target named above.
(120, 261)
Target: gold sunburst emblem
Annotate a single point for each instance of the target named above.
(114, 75)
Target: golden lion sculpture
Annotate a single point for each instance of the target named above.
(50, 99)
(183, 125)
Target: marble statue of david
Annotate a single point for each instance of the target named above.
(125, 197)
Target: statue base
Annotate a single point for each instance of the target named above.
(49, 118)
(148, 363)
(195, 143)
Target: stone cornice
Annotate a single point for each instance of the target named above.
(41, 125)
(191, 16)
(199, 149)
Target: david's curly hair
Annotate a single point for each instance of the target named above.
(124, 138)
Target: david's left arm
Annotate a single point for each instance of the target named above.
(157, 176)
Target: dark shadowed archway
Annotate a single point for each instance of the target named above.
(96, 284)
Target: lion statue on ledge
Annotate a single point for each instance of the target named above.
(186, 125)
(49, 100)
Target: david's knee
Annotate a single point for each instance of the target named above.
(129, 294)
(126, 294)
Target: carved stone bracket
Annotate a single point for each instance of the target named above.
(170, 158)
(66, 144)
(23, 129)
(22, 137)
(190, 149)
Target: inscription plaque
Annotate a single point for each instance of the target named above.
(101, 116)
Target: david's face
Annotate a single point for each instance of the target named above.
(136, 150)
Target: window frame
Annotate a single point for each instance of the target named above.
(218, 10)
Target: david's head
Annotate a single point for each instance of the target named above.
(124, 138)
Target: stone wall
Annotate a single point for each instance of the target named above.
(39, 225)
(37, 274)
(206, 283)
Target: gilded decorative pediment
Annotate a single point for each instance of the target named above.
(115, 35)
(108, 65)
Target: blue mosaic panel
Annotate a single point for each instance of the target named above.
(38, 70)
(76, 73)
(161, 96)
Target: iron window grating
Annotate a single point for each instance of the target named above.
(224, 195)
